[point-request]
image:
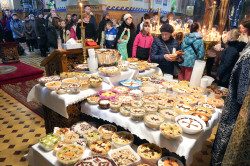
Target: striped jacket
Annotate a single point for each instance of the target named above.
(110, 36)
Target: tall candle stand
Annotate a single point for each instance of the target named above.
(83, 35)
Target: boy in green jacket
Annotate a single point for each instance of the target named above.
(123, 46)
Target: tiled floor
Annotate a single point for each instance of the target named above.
(20, 128)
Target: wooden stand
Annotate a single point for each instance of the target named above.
(63, 60)
(9, 52)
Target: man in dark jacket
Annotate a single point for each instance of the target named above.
(127, 23)
(6, 24)
(1, 32)
(90, 32)
(162, 46)
(41, 33)
(92, 20)
(105, 19)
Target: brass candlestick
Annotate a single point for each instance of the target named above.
(83, 35)
(159, 16)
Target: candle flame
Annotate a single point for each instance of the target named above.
(80, 4)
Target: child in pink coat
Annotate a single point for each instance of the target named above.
(142, 43)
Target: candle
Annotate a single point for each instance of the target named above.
(81, 6)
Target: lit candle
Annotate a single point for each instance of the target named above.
(81, 6)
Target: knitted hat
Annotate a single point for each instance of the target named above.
(38, 13)
(126, 16)
(104, 14)
(167, 28)
(113, 19)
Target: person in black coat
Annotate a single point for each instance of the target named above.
(127, 23)
(41, 33)
(69, 21)
(229, 57)
(90, 32)
(105, 19)
(1, 32)
(162, 46)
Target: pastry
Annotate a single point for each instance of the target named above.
(122, 138)
(70, 154)
(217, 102)
(125, 110)
(137, 114)
(182, 108)
(153, 120)
(93, 99)
(151, 107)
(201, 116)
(121, 89)
(209, 106)
(115, 106)
(124, 157)
(71, 138)
(107, 131)
(95, 161)
(81, 128)
(171, 131)
(150, 152)
(204, 111)
(136, 103)
(168, 114)
(100, 147)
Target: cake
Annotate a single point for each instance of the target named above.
(209, 106)
(149, 152)
(109, 71)
(168, 114)
(84, 84)
(53, 85)
(95, 161)
(71, 138)
(81, 142)
(81, 128)
(125, 99)
(70, 154)
(181, 89)
(217, 102)
(132, 59)
(153, 120)
(121, 89)
(61, 131)
(187, 100)
(122, 138)
(48, 142)
(148, 99)
(204, 111)
(167, 103)
(182, 108)
(95, 81)
(196, 89)
(190, 124)
(93, 136)
(107, 131)
(75, 87)
(171, 131)
(100, 147)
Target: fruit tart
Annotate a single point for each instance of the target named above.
(151, 107)
(204, 111)
(122, 138)
(182, 108)
(169, 114)
(201, 116)
(153, 121)
(107, 131)
(93, 99)
(171, 131)
(71, 138)
(217, 102)
(121, 89)
(149, 152)
(115, 106)
(100, 147)
(137, 114)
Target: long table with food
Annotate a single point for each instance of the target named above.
(167, 113)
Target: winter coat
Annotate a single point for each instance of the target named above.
(142, 46)
(28, 27)
(110, 36)
(90, 32)
(158, 50)
(17, 28)
(189, 54)
(93, 21)
(228, 60)
(40, 31)
(1, 32)
(34, 27)
(73, 32)
(52, 33)
(123, 46)
(64, 35)
(69, 25)
(101, 28)
(131, 39)
(6, 23)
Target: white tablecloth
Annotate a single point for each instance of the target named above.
(187, 146)
(59, 103)
(38, 157)
(129, 74)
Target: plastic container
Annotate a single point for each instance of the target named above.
(122, 138)
(107, 131)
(75, 87)
(53, 85)
(93, 136)
(115, 106)
(100, 148)
(171, 130)
(125, 110)
(153, 121)
(48, 142)
(150, 153)
(169, 160)
(137, 114)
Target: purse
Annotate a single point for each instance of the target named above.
(177, 68)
